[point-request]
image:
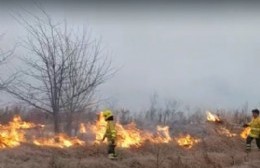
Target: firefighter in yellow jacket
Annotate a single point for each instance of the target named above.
(110, 134)
(255, 130)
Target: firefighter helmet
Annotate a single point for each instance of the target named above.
(107, 113)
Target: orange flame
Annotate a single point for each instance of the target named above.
(82, 128)
(11, 134)
(126, 136)
(129, 135)
(212, 117)
(99, 128)
(60, 141)
(163, 135)
(187, 141)
(245, 133)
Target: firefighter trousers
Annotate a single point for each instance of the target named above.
(111, 147)
(249, 140)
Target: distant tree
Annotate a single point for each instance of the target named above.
(169, 113)
(153, 110)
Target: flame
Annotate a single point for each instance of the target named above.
(187, 141)
(132, 136)
(212, 117)
(163, 135)
(245, 133)
(82, 128)
(60, 141)
(226, 132)
(129, 135)
(12, 135)
(99, 128)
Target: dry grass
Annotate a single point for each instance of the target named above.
(214, 151)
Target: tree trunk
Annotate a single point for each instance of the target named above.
(56, 122)
(68, 127)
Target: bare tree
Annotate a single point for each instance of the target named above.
(62, 71)
(87, 69)
(4, 55)
(153, 110)
(171, 107)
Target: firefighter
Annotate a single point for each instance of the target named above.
(255, 130)
(110, 134)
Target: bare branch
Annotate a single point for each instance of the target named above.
(64, 68)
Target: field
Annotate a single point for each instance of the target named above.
(216, 149)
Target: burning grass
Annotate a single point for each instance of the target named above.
(13, 134)
(128, 135)
(213, 151)
(218, 147)
(60, 141)
(213, 118)
(187, 141)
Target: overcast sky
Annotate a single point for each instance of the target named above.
(202, 54)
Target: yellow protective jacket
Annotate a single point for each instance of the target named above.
(110, 131)
(255, 127)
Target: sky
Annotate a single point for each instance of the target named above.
(202, 54)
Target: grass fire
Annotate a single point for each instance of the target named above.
(19, 135)
(162, 88)
(213, 118)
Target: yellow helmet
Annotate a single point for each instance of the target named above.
(107, 113)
